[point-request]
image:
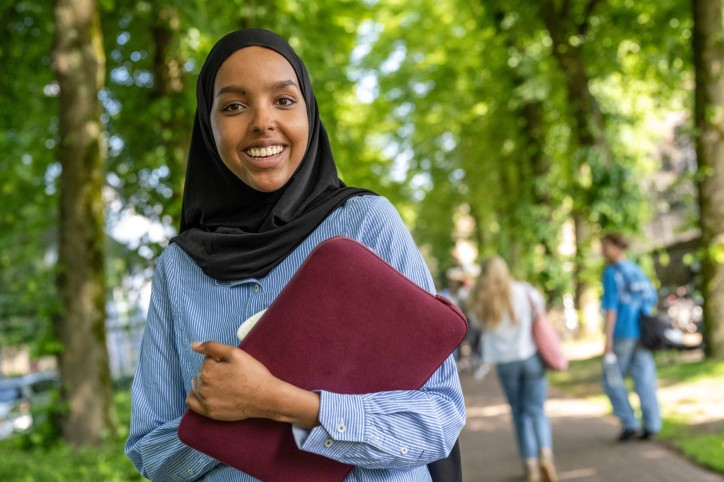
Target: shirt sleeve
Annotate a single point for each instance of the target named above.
(609, 300)
(394, 429)
(158, 399)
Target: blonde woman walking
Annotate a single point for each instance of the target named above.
(504, 308)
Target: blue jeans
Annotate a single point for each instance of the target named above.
(637, 361)
(526, 389)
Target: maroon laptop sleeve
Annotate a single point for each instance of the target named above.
(347, 322)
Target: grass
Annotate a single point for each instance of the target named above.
(706, 449)
(677, 372)
(582, 379)
(701, 442)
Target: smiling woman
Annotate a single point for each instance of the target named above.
(261, 192)
(254, 93)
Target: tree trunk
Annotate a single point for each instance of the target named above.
(248, 15)
(168, 85)
(708, 50)
(585, 294)
(588, 126)
(79, 65)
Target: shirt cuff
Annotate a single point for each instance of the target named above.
(341, 418)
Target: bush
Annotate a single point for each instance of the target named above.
(39, 457)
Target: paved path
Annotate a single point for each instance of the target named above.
(583, 439)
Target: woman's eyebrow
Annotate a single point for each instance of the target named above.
(231, 89)
(238, 89)
(280, 84)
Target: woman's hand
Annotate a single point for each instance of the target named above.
(233, 385)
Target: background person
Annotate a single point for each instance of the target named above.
(503, 306)
(626, 293)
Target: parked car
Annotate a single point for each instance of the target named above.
(685, 309)
(21, 397)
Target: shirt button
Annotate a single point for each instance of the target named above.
(341, 428)
(256, 288)
(190, 471)
(328, 443)
(403, 450)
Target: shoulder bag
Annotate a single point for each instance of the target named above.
(546, 339)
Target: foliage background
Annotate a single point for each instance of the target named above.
(456, 110)
(428, 103)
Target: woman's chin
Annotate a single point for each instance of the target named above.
(267, 183)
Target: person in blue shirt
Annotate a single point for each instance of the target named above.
(261, 192)
(626, 293)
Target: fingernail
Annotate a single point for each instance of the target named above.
(195, 344)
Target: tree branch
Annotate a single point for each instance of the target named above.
(587, 13)
(565, 10)
(551, 20)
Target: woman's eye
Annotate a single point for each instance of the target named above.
(286, 101)
(234, 106)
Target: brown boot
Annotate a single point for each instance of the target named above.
(531, 470)
(548, 469)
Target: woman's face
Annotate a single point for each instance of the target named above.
(259, 118)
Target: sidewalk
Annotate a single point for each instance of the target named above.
(583, 439)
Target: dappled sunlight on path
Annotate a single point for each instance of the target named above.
(583, 437)
(696, 402)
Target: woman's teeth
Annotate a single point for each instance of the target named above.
(264, 151)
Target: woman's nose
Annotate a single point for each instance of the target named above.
(263, 119)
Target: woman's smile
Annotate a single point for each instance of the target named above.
(264, 152)
(265, 157)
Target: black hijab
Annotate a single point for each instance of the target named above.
(231, 230)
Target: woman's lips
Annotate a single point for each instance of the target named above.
(264, 157)
(262, 152)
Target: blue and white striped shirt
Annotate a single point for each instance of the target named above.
(389, 436)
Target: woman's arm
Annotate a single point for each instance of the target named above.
(390, 430)
(395, 429)
(158, 396)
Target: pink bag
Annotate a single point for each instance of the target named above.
(546, 339)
